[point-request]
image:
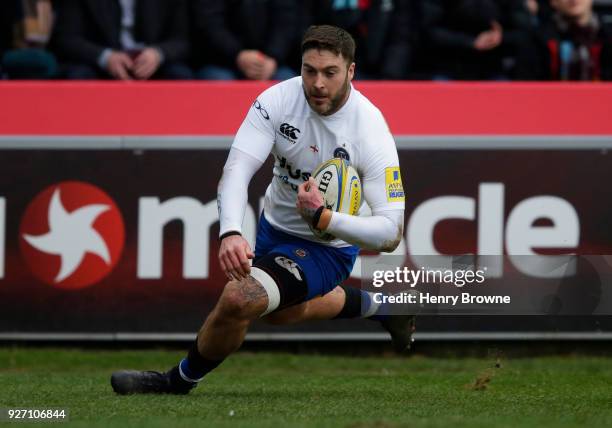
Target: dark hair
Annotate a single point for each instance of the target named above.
(330, 38)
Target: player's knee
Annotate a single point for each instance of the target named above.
(234, 301)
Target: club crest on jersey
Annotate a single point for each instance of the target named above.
(393, 185)
(342, 154)
(300, 252)
(289, 132)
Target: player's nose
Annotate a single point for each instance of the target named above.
(319, 82)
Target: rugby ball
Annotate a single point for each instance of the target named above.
(340, 187)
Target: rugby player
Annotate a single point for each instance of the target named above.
(294, 275)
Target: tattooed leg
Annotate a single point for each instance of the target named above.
(223, 331)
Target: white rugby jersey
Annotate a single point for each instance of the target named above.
(280, 122)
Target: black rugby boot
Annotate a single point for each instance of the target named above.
(150, 382)
(401, 329)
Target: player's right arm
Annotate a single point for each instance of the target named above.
(232, 198)
(251, 147)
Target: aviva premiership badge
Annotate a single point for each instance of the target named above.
(393, 185)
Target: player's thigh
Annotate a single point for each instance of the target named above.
(289, 315)
(321, 307)
(324, 267)
(293, 274)
(283, 278)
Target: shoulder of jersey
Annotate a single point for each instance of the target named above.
(366, 107)
(290, 87)
(369, 117)
(283, 92)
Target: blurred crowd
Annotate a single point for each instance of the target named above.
(260, 39)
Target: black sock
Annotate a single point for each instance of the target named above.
(352, 304)
(194, 367)
(359, 304)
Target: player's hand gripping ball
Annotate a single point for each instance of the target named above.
(340, 187)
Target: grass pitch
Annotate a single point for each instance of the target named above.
(280, 390)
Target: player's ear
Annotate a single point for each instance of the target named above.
(351, 71)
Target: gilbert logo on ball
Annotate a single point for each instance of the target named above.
(340, 187)
(71, 235)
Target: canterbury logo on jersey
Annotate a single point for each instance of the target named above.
(290, 265)
(289, 131)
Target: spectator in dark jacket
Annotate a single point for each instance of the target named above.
(25, 28)
(382, 30)
(575, 44)
(477, 39)
(123, 39)
(7, 18)
(240, 39)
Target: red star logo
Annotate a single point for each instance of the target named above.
(72, 235)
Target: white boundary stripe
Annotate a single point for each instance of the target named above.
(223, 142)
(270, 286)
(316, 336)
(84, 142)
(178, 142)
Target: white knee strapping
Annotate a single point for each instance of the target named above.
(268, 283)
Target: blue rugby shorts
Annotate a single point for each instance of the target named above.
(324, 267)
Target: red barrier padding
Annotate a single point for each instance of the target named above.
(211, 108)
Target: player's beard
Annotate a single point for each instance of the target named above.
(335, 102)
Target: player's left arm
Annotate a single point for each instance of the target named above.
(384, 193)
(382, 231)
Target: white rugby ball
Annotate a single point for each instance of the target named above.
(340, 186)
